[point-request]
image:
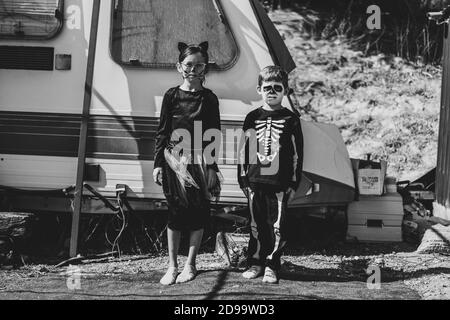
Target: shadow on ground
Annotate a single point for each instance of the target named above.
(353, 271)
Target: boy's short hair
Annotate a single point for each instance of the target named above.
(273, 73)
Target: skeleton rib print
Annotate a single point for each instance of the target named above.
(268, 134)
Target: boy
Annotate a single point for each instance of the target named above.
(269, 172)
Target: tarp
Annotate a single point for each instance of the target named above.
(278, 50)
(326, 162)
(325, 153)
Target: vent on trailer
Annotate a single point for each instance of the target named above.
(26, 58)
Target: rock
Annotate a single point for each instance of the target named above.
(332, 67)
(44, 270)
(379, 261)
(357, 83)
(311, 86)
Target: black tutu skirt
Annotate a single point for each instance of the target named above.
(187, 194)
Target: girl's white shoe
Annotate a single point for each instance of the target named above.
(170, 277)
(189, 273)
(253, 272)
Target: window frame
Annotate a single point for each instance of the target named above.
(59, 17)
(170, 66)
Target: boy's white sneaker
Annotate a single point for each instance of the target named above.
(253, 272)
(270, 276)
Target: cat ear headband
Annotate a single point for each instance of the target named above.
(204, 46)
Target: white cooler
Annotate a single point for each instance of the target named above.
(376, 218)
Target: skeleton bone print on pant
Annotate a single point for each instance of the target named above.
(268, 134)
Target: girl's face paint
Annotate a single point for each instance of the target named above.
(192, 67)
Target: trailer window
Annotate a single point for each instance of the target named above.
(30, 19)
(146, 32)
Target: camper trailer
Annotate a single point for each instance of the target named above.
(81, 86)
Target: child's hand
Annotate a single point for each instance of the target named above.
(211, 179)
(213, 182)
(290, 193)
(157, 176)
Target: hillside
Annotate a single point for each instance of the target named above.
(383, 105)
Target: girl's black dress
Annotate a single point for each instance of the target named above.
(187, 194)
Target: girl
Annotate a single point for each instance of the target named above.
(188, 183)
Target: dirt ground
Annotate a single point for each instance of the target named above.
(326, 275)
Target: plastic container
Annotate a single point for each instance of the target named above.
(390, 184)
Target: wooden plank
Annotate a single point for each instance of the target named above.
(443, 152)
(441, 128)
(445, 116)
(84, 129)
(444, 121)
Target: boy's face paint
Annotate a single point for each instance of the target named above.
(192, 67)
(272, 92)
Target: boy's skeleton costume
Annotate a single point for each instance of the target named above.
(271, 149)
(279, 142)
(268, 134)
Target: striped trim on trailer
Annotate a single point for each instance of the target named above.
(109, 137)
